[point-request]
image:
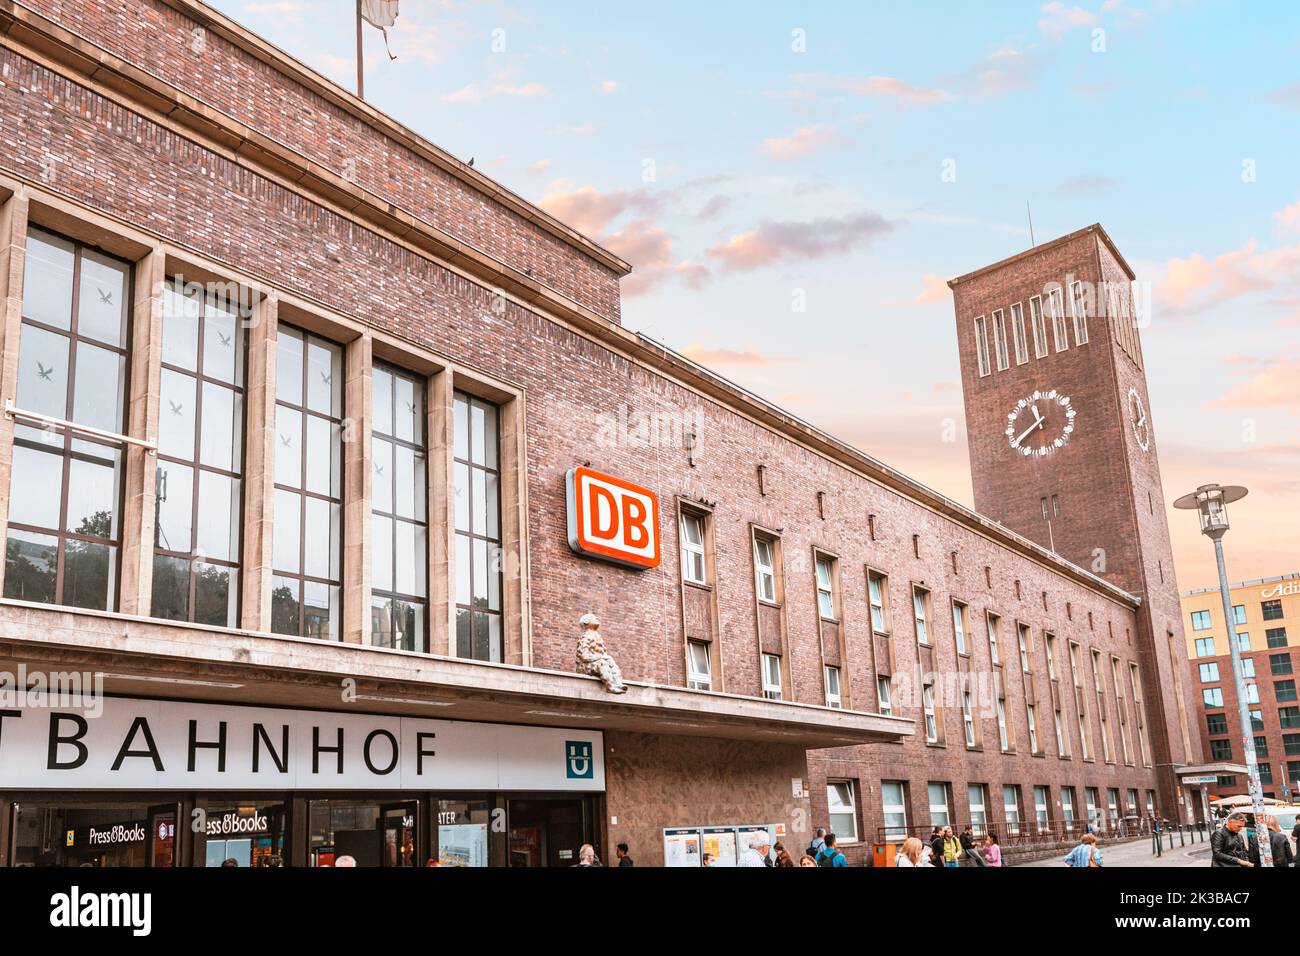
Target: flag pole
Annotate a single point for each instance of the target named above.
(361, 80)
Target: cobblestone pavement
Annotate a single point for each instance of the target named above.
(1138, 853)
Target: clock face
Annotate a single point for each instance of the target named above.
(1138, 419)
(1040, 424)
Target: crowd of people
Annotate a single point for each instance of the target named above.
(1234, 844)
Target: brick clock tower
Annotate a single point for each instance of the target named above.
(1063, 450)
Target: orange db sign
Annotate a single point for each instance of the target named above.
(612, 519)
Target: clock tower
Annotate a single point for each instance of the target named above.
(1063, 450)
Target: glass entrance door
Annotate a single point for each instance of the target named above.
(399, 829)
(546, 832)
(160, 835)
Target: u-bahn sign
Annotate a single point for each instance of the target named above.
(612, 519)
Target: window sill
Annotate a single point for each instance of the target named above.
(766, 603)
(697, 585)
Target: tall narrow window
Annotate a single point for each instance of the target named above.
(765, 569)
(1000, 340)
(65, 494)
(692, 535)
(883, 695)
(699, 674)
(877, 585)
(1079, 311)
(919, 598)
(1023, 638)
(478, 529)
(959, 626)
(200, 460)
(968, 718)
(399, 529)
(993, 623)
(1060, 335)
(1011, 807)
(833, 697)
(826, 587)
(931, 720)
(1033, 728)
(982, 345)
(1004, 740)
(1039, 329)
(772, 677)
(308, 544)
(893, 802)
(1018, 333)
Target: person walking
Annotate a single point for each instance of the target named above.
(910, 854)
(620, 851)
(1282, 853)
(992, 852)
(1233, 845)
(1085, 854)
(830, 855)
(819, 841)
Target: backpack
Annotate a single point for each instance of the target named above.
(828, 858)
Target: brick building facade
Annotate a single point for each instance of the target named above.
(311, 555)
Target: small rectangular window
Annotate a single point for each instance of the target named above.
(842, 814)
(700, 673)
(894, 806)
(693, 559)
(931, 720)
(826, 588)
(765, 569)
(1272, 610)
(833, 698)
(877, 587)
(1201, 621)
(772, 677)
(886, 705)
(1210, 673)
(1213, 696)
(968, 718)
(1205, 647)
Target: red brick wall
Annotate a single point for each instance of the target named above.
(160, 40)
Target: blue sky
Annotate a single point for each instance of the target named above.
(746, 156)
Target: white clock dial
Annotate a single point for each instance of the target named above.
(1040, 424)
(1138, 419)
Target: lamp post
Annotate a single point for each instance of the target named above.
(1211, 501)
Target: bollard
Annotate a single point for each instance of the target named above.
(1182, 836)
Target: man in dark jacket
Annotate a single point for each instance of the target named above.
(1281, 844)
(1233, 845)
(623, 858)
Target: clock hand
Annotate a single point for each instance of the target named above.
(1038, 423)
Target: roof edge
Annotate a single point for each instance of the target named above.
(1095, 229)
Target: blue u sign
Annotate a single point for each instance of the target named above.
(579, 763)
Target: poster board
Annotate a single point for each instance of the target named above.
(687, 846)
(681, 847)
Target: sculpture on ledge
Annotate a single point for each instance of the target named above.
(593, 659)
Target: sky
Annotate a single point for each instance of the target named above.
(795, 182)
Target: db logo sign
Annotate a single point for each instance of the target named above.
(613, 519)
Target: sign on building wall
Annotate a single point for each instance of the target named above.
(169, 745)
(612, 519)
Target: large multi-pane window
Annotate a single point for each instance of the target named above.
(842, 813)
(65, 494)
(893, 800)
(478, 529)
(200, 460)
(399, 530)
(308, 540)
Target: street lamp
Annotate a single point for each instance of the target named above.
(1211, 501)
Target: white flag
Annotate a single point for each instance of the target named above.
(382, 14)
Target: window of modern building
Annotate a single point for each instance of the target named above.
(982, 345)
(1079, 312)
(1293, 770)
(1279, 664)
(699, 674)
(1261, 743)
(476, 470)
(959, 626)
(977, 799)
(938, 795)
(1216, 724)
(1011, 807)
(1275, 636)
(878, 591)
(893, 799)
(772, 676)
(1284, 690)
(1288, 717)
(1291, 744)
(931, 720)
(1226, 780)
(1004, 740)
(883, 696)
(833, 698)
(1056, 308)
(1213, 696)
(1038, 327)
(1221, 749)
(1265, 773)
(399, 529)
(1239, 613)
(765, 568)
(1000, 341)
(1243, 641)
(1257, 720)
(1210, 673)
(1248, 667)
(198, 511)
(1201, 621)
(65, 492)
(1205, 647)
(826, 587)
(1272, 610)
(692, 540)
(920, 600)
(1018, 333)
(842, 813)
(993, 623)
(1252, 692)
(308, 540)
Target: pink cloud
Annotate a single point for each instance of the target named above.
(1274, 381)
(886, 87)
(934, 288)
(1197, 283)
(1288, 219)
(771, 242)
(707, 356)
(473, 93)
(803, 142)
(1057, 19)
